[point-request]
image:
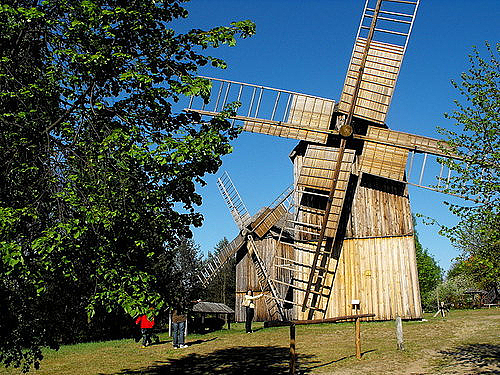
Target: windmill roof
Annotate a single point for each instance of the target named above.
(278, 226)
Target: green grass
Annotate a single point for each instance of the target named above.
(465, 342)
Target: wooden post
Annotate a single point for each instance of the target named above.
(170, 323)
(399, 333)
(292, 349)
(228, 317)
(358, 338)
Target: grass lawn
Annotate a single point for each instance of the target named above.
(466, 342)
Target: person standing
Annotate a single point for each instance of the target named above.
(146, 325)
(248, 302)
(178, 327)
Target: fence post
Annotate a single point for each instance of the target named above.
(292, 349)
(399, 333)
(358, 338)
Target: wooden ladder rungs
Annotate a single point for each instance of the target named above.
(290, 269)
(293, 261)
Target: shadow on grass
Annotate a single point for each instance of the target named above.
(160, 342)
(196, 342)
(338, 360)
(238, 360)
(484, 357)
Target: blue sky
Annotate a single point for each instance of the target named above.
(305, 46)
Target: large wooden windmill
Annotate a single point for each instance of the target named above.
(350, 218)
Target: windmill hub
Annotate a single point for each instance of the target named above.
(345, 130)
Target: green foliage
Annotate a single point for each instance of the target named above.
(222, 287)
(98, 173)
(476, 176)
(430, 274)
(177, 273)
(452, 292)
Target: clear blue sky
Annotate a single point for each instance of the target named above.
(305, 46)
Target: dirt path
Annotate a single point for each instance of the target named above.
(469, 356)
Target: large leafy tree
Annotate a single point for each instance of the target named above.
(98, 171)
(476, 141)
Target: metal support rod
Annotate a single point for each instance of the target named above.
(440, 175)
(238, 99)
(226, 94)
(287, 108)
(218, 96)
(448, 179)
(275, 105)
(392, 13)
(258, 102)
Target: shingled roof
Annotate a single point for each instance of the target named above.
(212, 308)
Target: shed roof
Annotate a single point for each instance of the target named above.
(212, 308)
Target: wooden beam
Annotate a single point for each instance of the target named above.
(292, 350)
(319, 321)
(358, 338)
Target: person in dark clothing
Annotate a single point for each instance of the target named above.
(178, 327)
(248, 303)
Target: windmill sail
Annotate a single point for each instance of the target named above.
(214, 265)
(376, 59)
(271, 111)
(233, 201)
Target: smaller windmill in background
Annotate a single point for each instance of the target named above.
(260, 241)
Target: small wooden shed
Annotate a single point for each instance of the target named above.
(202, 309)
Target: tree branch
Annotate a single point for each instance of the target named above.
(68, 111)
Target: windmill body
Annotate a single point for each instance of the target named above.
(373, 258)
(247, 277)
(349, 217)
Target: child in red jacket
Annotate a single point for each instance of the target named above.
(146, 326)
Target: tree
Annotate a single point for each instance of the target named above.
(452, 291)
(98, 171)
(476, 173)
(429, 274)
(222, 287)
(177, 273)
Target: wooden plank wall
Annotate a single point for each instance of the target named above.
(376, 261)
(246, 275)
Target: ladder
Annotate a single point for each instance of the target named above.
(266, 284)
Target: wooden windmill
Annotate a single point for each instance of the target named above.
(257, 248)
(350, 217)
